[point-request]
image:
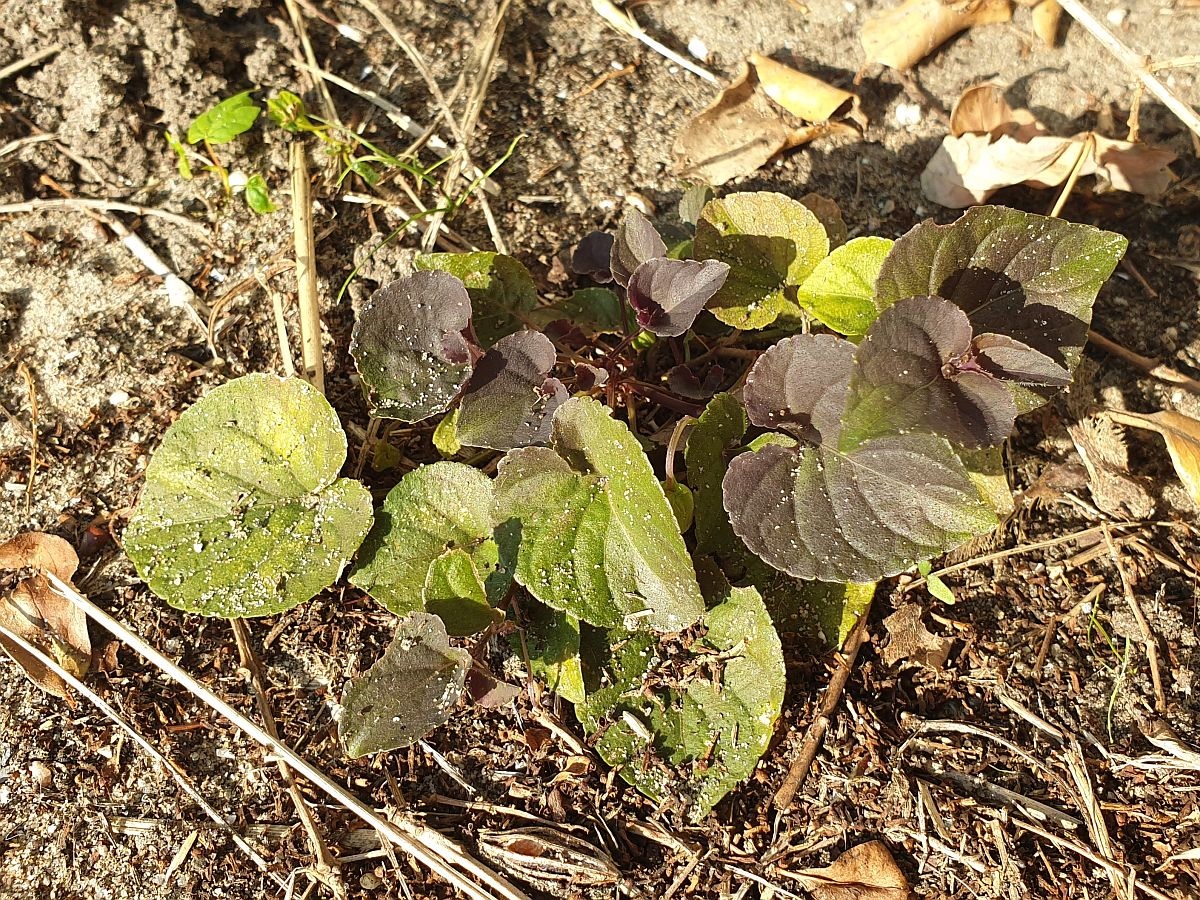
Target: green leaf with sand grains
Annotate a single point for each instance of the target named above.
(840, 292)
(598, 538)
(410, 691)
(771, 243)
(243, 513)
(713, 728)
(432, 510)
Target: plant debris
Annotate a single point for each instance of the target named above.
(992, 146)
(901, 37)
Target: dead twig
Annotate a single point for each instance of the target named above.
(301, 30)
(326, 870)
(623, 22)
(799, 769)
(311, 353)
(1148, 640)
(1094, 816)
(27, 376)
(1145, 364)
(84, 203)
(435, 851)
(171, 768)
(1136, 64)
(31, 60)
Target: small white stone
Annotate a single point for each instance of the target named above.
(118, 398)
(1116, 17)
(907, 114)
(698, 49)
(237, 181)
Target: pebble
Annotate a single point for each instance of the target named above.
(370, 881)
(41, 774)
(1116, 17)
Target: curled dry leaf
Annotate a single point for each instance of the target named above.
(42, 616)
(865, 872)
(911, 640)
(803, 95)
(1182, 434)
(743, 130)
(1101, 446)
(734, 136)
(992, 146)
(902, 37)
(1046, 16)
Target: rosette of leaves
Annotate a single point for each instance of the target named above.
(417, 354)
(865, 479)
(666, 294)
(690, 726)
(436, 547)
(243, 513)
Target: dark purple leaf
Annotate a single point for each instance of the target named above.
(668, 294)
(1013, 361)
(683, 381)
(915, 371)
(818, 513)
(863, 496)
(509, 401)
(410, 345)
(800, 386)
(588, 377)
(1028, 277)
(637, 241)
(592, 257)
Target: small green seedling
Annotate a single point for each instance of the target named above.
(864, 442)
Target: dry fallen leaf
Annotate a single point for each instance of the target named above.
(902, 37)
(734, 136)
(40, 615)
(1182, 434)
(803, 95)
(1101, 446)
(743, 129)
(865, 872)
(984, 153)
(910, 639)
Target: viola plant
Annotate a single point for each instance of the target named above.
(840, 406)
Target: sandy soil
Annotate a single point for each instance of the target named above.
(84, 814)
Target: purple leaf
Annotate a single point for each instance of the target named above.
(1011, 360)
(915, 371)
(800, 385)
(817, 513)
(637, 241)
(1024, 276)
(410, 345)
(509, 401)
(588, 377)
(668, 294)
(592, 257)
(683, 381)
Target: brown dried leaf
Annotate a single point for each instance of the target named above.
(991, 146)
(982, 109)
(734, 136)
(1101, 446)
(865, 872)
(968, 169)
(39, 614)
(829, 214)
(1046, 16)
(1182, 434)
(803, 95)
(911, 640)
(902, 37)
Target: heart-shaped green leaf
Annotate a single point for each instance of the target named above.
(432, 510)
(410, 691)
(552, 642)
(598, 538)
(771, 243)
(712, 726)
(225, 121)
(840, 292)
(243, 513)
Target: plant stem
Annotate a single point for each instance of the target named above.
(306, 269)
